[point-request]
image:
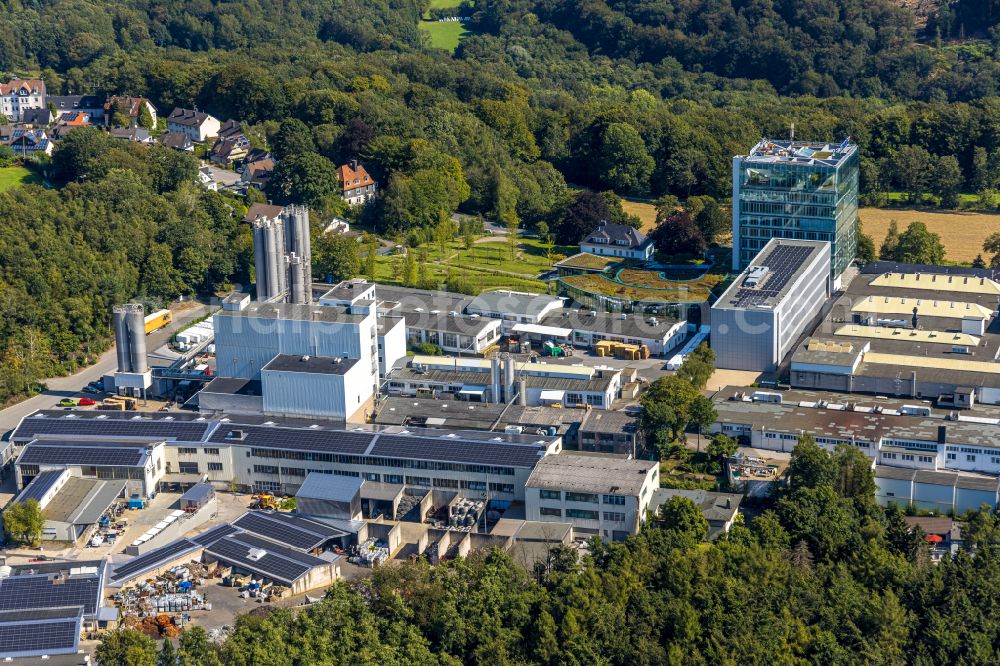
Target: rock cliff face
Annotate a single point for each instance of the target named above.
(921, 10)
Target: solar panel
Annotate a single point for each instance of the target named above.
(21, 592)
(280, 564)
(782, 262)
(111, 427)
(214, 534)
(39, 638)
(35, 614)
(153, 559)
(296, 439)
(36, 454)
(464, 451)
(39, 485)
(280, 531)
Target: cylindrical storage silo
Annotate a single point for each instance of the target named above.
(275, 255)
(260, 260)
(495, 379)
(296, 285)
(508, 385)
(137, 338)
(118, 318)
(522, 392)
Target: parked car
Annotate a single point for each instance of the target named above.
(68, 402)
(96, 540)
(87, 402)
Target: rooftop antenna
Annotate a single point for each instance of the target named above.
(791, 137)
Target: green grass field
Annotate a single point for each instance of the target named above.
(15, 175)
(484, 266)
(444, 34)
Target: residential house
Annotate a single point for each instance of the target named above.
(175, 140)
(28, 141)
(719, 509)
(356, 185)
(134, 134)
(37, 117)
(92, 105)
(618, 240)
(258, 172)
(19, 95)
(232, 145)
(131, 107)
(74, 119)
(196, 125)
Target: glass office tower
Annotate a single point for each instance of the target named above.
(798, 190)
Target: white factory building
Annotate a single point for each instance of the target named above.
(763, 313)
(600, 494)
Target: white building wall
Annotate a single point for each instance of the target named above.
(317, 394)
(391, 347)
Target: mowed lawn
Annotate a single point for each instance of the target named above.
(962, 233)
(445, 34)
(15, 175)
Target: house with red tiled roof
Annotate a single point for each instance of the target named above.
(19, 95)
(356, 185)
(129, 106)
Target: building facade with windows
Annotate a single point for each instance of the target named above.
(20, 95)
(796, 190)
(603, 495)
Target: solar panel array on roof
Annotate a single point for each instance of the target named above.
(300, 536)
(153, 559)
(117, 456)
(782, 263)
(186, 431)
(39, 485)
(263, 557)
(297, 439)
(484, 453)
(211, 536)
(22, 592)
(34, 614)
(39, 638)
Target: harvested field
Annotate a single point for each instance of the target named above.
(961, 232)
(644, 211)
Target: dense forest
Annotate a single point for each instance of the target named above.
(826, 577)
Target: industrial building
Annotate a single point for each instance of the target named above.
(607, 431)
(71, 505)
(248, 340)
(586, 328)
(46, 606)
(469, 415)
(133, 376)
(507, 380)
(796, 190)
(137, 462)
(760, 317)
(923, 332)
(261, 454)
(514, 307)
(599, 494)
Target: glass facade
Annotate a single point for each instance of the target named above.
(799, 199)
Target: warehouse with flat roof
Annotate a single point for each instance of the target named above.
(759, 318)
(923, 332)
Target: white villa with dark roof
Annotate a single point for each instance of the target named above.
(618, 240)
(196, 125)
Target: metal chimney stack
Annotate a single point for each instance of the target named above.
(522, 392)
(118, 314)
(136, 322)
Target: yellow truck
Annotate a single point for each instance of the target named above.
(158, 320)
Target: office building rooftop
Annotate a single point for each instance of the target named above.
(801, 152)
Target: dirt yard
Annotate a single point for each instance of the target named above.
(961, 232)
